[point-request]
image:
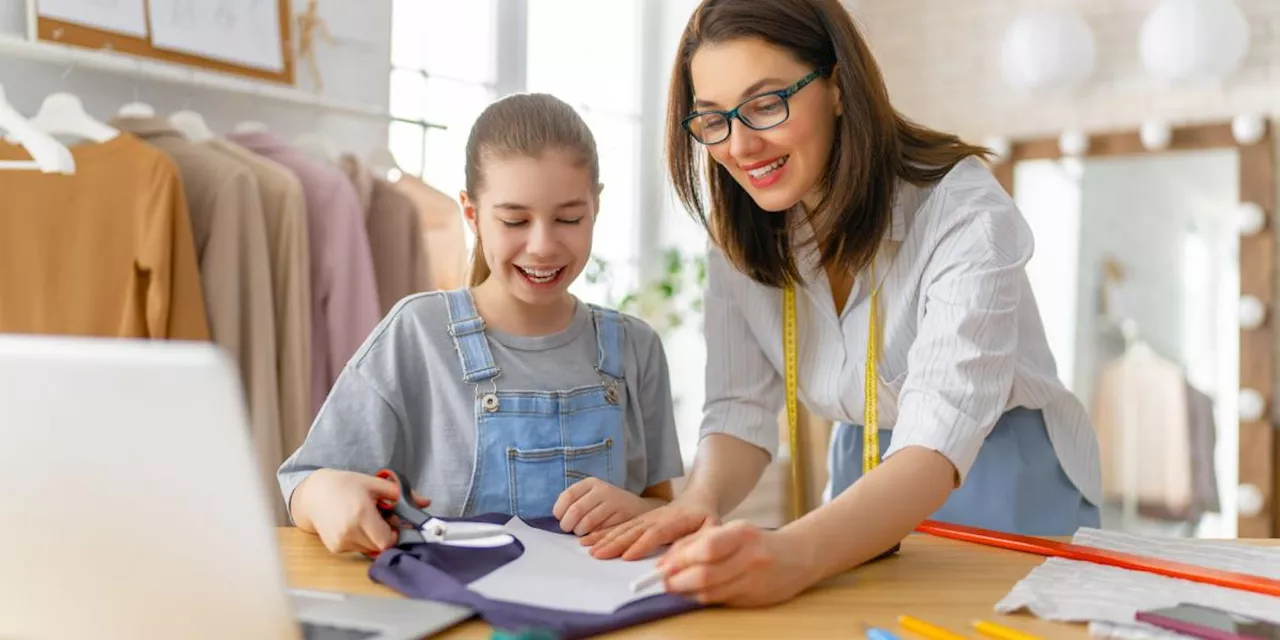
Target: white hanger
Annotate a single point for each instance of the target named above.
(62, 113)
(250, 126)
(191, 124)
(383, 163)
(47, 154)
(318, 146)
(136, 110)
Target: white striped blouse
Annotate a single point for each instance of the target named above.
(961, 338)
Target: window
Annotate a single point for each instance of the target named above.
(443, 71)
(598, 72)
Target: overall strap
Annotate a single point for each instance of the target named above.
(467, 329)
(608, 340)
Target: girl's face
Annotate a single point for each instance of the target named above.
(534, 217)
(781, 166)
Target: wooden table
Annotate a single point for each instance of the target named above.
(941, 581)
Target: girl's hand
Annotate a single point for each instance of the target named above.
(638, 538)
(341, 507)
(593, 504)
(737, 564)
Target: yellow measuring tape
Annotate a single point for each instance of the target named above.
(870, 414)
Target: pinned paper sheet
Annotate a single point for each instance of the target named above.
(557, 572)
(1108, 597)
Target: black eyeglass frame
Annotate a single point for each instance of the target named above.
(732, 114)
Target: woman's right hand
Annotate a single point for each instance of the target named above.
(641, 536)
(341, 507)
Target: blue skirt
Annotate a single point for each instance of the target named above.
(1016, 484)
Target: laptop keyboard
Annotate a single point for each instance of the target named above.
(314, 631)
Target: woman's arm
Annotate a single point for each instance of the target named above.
(959, 375)
(725, 471)
(874, 514)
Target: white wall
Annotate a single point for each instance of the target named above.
(355, 68)
(941, 61)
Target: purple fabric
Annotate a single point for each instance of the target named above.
(441, 573)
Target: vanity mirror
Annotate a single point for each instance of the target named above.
(1154, 272)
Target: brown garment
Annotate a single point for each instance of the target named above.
(444, 238)
(105, 252)
(395, 235)
(284, 210)
(231, 242)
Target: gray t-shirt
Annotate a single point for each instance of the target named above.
(401, 401)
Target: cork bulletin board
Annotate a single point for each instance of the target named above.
(248, 38)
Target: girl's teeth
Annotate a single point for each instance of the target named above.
(540, 276)
(767, 169)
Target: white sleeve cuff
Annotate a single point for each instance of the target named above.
(928, 422)
(744, 422)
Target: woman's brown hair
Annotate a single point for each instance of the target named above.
(874, 146)
(523, 125)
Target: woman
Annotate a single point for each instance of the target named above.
(814, 181)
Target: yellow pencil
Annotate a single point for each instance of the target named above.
(1000, 632)
(932, 632)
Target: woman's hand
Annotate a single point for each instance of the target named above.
(593, 504)
(738, 565)
(341, 507)
(640, 537)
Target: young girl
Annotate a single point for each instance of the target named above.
(511, 396)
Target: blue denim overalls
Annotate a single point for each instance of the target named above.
(532, 444)
(1015, 485)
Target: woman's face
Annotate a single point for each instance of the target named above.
(781, 166)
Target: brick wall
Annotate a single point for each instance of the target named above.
(941, 59)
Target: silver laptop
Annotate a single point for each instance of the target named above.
(130, 505)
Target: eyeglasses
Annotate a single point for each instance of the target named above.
(764, 111)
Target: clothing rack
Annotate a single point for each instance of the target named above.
(127, 65)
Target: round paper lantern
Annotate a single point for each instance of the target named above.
(1048, 51)
(1194, 39)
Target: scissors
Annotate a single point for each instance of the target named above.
(425, 528)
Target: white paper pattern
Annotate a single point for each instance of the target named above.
(1108, 597)
(557, 572)
(120, 16)
(244, 32)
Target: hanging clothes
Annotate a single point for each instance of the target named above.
(1145, 398)
(444, 238)
(105, 252)
(1204, 442)
(231, 243)
(344, 295)
(395, 235)
(285, 214)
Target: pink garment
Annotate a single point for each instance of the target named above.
(344, 300)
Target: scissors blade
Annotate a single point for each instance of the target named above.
(481, 534)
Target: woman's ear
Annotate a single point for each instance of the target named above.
(835, 90)
(469, 211)
(599, 188)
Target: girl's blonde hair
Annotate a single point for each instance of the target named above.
(523, 125)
